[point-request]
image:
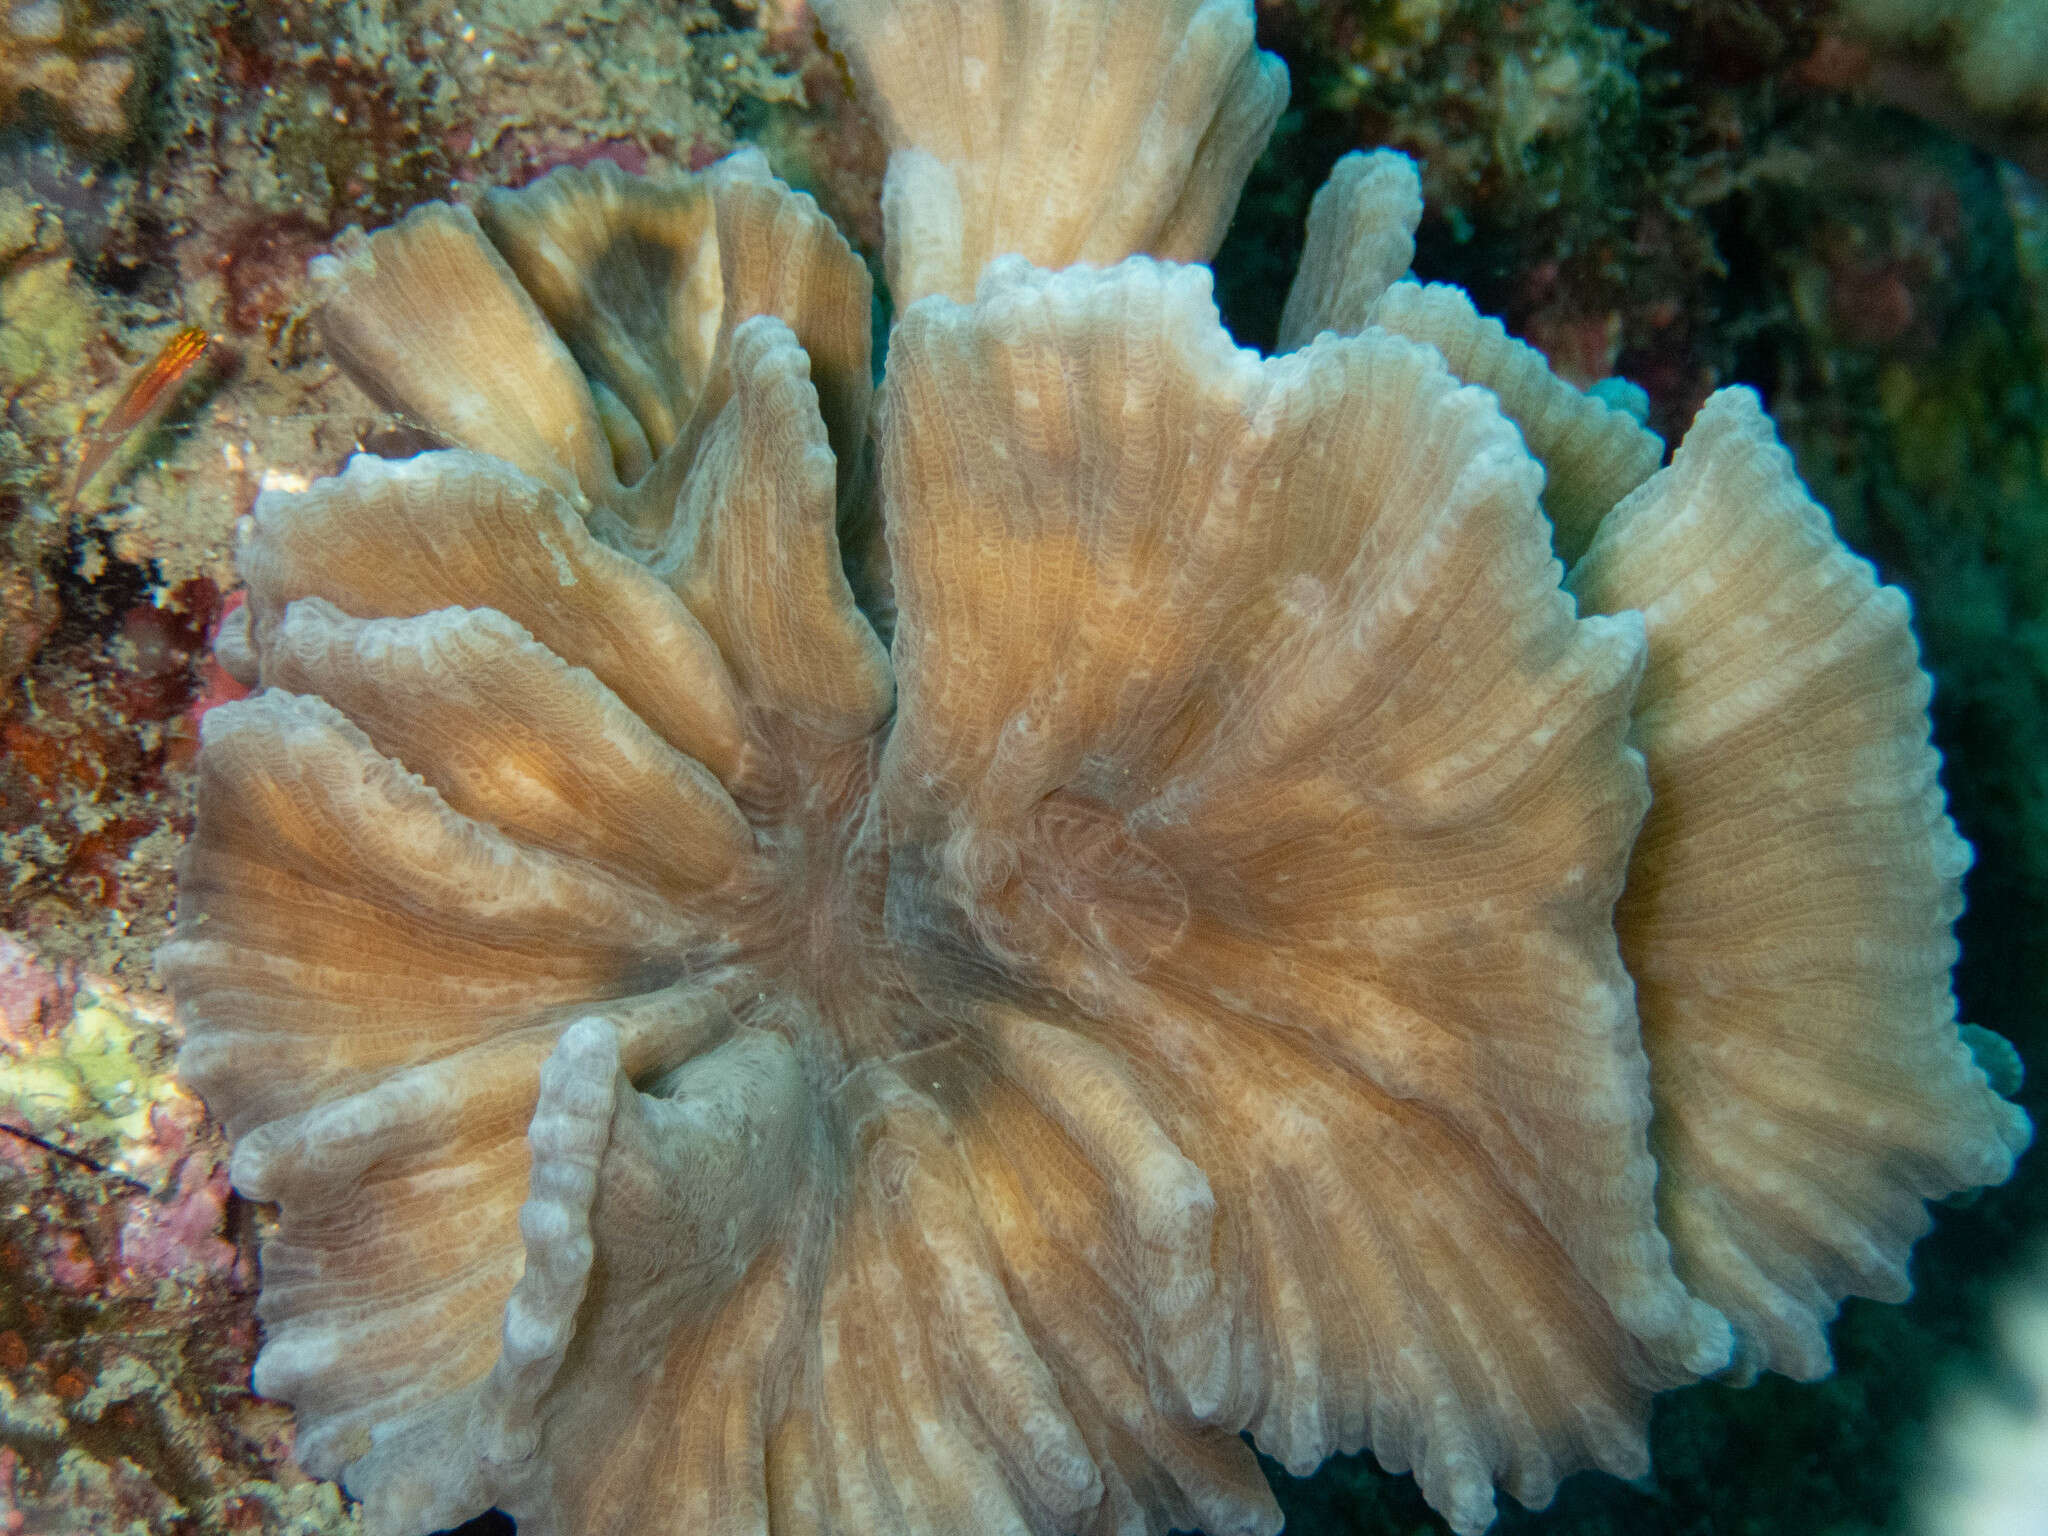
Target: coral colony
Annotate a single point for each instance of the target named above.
(804, 956)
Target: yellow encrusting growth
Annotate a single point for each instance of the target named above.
(95, 1079)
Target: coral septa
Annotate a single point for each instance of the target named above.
(398, 539)
(1593, 453)
(1789, 903)
(782, 256)
(1360, 239)
(647, 283)
(754, 555)
(1230, 146)
(427, 317)
(306, 823)
(1076, 529)
(510, 733)
(1068, 132)
(627, 272)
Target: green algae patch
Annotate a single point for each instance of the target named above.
(89, 1085)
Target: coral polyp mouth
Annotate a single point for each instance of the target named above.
(806, 956)
(1045, 912)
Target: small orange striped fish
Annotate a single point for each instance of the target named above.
(141, 402)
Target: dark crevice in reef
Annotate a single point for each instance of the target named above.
(492, 1522)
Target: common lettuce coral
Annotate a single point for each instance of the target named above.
(780, 986)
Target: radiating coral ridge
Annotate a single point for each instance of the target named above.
(803, 956)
